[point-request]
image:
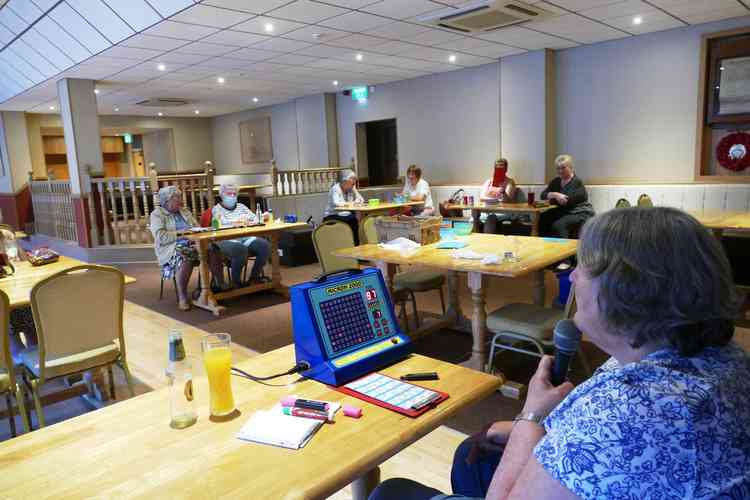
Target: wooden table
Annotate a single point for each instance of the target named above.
(366, 210)
(515, 208)
(535, 255)
(129, 450)
(719, 221)
(249, 189)
(209, 300)
(18, 286)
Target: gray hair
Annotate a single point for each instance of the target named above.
(166, 193)
(226, 186)
(346, 175)
(564, 160)
(663, 278)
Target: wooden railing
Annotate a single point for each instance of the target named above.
(120, 207)
(313, 180)
(53, 209)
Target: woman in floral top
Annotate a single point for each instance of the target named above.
(667, 417)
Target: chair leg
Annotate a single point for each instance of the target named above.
(20, 395)
(37, 403)
(111, 377)
(405, 315)
(11, 415)
(442, 299)
(174, 287)
(128, 377)
(414, 306)
(161, 289)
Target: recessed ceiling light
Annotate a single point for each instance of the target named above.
(161, 67)
(268, 27)
(51, 108)
(160, 113)
(255, 99)
(221, 79)
(637, 20)
(197, 111)
(359, 57)
(117, 109)
(336, 82)
(96, 91)
(452, 58)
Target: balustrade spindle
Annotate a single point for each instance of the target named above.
(125, 214)
(149, 238)
(115, 229)
(137, 235)
(105, 216)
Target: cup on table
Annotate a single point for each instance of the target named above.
(530, 197)
(217, 357)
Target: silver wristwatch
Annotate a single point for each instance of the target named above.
(530, 416)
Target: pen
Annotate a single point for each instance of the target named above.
(304, 403)
(421, 376)
(303, 412)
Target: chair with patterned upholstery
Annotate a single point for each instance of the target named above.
(644, 200)
(8, 371)
(80, 333)
(622, 203)
(517, 324)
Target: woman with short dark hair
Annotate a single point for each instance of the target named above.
(667, 416)
(417, 189)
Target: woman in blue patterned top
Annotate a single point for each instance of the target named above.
(667, 417)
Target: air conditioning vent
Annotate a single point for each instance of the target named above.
(484, 15)
(163, 102)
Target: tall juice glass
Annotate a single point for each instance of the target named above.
(217, 356)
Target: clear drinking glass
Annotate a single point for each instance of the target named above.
(217, 357)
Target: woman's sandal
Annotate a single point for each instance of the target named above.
(183, 306)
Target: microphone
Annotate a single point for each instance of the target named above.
(567, 337)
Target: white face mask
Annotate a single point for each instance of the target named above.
(229, 201)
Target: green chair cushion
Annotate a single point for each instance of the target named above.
(418, 281)
(526, 319)
(73, 363)
(4, 382)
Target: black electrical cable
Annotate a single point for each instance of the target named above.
(299, 367)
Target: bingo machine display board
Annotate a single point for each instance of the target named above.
(345, 327)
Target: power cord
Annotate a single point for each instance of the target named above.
(299, 367)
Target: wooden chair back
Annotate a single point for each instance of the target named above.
(78, 310)
(330, 236)
(6, 360)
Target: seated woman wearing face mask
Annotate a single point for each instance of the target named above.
(504, 191)
(229, 212)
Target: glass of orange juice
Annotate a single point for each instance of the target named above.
(217, 357)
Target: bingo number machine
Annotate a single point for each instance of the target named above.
(344, 326)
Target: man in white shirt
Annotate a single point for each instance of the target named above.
(229, 213)
(417, 189)
(344, 192)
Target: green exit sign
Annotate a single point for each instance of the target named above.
(128, 138)
(359, 94)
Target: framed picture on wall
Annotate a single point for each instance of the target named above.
(727, 81)
(255, 140)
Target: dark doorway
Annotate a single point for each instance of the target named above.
(382, 152)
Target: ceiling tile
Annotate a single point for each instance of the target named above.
(15, 75)
(576, 5)
(6, 35)
(211, 16)
(103, 18)
(619, 9)
(18, 62)
(398, 30)
(695, 7)
(351, 4)
(281, 45)
(137, 13)
(714, 15)
(30, 55)
(65, 16)
(251, 54)
(51, 51)
(12, 21)
(253, 6)
(472, 60)
(323, 51)
(293, 59)
(316, 34)
(463, 43)
(652, 21)
(358, 42)
(131, 53)
(355, 21)
(394, 47)
(153, 42)
(258, 25)
(429, 53)
(235, 38)
(168, 7)
(206, 49)
(401, 9)
(183, 31)
(26, 10)
(494, 51)
(50, 30)
(577, 28)
(306, 11)
(221, 63)
(433, 37)
(177, 58)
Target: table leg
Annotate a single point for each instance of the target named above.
(454, 312)
(539, 292)
(478, 323)
(365, 484)
(534, 223)
(206, 300)
(389, 271)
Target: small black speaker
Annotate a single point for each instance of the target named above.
(347, 92)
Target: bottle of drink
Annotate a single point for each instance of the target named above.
(180, 375)
(258, 213)
(215, 223)
(270, 215)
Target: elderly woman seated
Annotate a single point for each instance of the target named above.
(177, 256)
(229, 212)
(343, 193)
(667, 416)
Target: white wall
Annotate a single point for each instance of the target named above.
(16, 158)
(447, 123)
(627, 109)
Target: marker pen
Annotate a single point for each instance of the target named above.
(308, 404)
(302, 412)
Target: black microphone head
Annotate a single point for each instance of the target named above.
(567, 336)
